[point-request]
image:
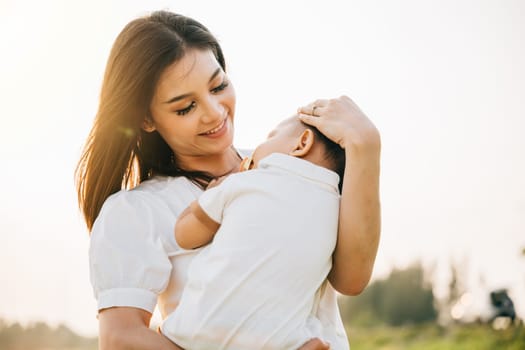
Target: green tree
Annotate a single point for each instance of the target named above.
(39, 335)
(402, 298)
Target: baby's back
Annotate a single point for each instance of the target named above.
(254, 287)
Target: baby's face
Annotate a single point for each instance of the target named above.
(282, 139)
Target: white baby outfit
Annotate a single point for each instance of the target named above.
(254, 286)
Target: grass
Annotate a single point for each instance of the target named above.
(433, 337)
(426, 337)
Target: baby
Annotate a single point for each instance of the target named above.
(274, 228)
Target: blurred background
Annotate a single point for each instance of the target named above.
(444, 81)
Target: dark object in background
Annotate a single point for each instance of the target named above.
(503, 304)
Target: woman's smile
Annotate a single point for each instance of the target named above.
(218, 131)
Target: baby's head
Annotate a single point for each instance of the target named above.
(297, 139)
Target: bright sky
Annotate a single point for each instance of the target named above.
(444, 81)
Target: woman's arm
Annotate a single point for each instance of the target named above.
(360, 213)
(127, 328)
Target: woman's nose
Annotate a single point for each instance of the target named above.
(212, 111)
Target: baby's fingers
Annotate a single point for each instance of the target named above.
(315, 344)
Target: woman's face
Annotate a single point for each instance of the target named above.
(193, 107)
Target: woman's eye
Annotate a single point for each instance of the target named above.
(219, 88)
(187, 109)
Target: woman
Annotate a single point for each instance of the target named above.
(164, 127)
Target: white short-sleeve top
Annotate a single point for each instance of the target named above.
(135, 261)
(134, 258)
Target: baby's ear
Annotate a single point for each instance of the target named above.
(304, 144)
(148, 125)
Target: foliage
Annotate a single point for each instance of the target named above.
(434, 337)
(402, 298)
(39, 336)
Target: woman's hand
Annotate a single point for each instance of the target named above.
(315, 344)
(341, 120)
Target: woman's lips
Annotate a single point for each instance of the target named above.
(217, 131)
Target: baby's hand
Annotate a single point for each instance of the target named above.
(315, 344)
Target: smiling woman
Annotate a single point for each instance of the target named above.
(163, 131)
(134, 138)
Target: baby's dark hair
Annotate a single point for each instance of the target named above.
(334, 153)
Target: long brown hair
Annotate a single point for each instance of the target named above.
(118, 154)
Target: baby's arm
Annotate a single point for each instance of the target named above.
(194, 228)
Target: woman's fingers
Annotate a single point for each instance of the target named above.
(313, 108)
(310, 119)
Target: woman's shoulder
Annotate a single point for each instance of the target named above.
(146, 212)
(152, 190)
(120, 205)
(153, 195)
(128, 199)
(159, 184)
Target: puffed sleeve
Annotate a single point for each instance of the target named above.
(127, 260)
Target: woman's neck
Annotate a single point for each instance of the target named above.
(217, 165)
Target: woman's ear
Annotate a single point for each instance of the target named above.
(304, 144)
(148, 125)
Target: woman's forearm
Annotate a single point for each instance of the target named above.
(343, 122)
(124, 328)
(136, 339)
(359, 221)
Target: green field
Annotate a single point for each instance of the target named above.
(433, 337)
(415, 337)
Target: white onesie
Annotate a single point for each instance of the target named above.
(258, 284)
